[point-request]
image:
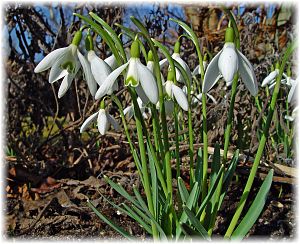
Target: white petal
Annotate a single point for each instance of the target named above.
(196, 70)
(56, 73)
(88, 74)
(112, 62)
(180, 97)
(132, 77)
(168, 88)
(88, 122)
(148, 82)
(289, 118)
(184, 65)
(102, 122)
(269, 78)
(100, 69)
(50, 59)
(129, 111)
(108, 84)
(212, 74)
(65, 84)
(139, 90)
(228, 62)
(113, 122)
(247, 74)
(150, 65)
(292, 91)
(163, 62)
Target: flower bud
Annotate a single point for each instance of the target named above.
(229, 34)
(150, 56)
(77, 38)
(177, 47)
(135, 49)
(89, 45)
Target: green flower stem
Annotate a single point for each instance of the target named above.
(176, 140)
(261, 146)
(230, 117)
(147, 187)
(161, 104)
(205, 149)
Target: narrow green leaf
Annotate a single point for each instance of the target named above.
(136, 217)
(210, 192)
(199, 166)
(112, 33)
(154, 183)
(145, 208)
(110, 223)
(215, 166)
(188, 230)
(228, 176)
(122, 191)
(196, 223)
(255, 209)
(184, 194)
(190, 203)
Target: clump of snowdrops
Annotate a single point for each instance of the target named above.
(163, 211)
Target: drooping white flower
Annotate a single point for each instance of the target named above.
(292, 92)
(129, 111)
(104, 121)
(112, 61)
(176, 92)
(138, 76)
(197, 99)
(270, 79)
(226, 63)
(293, 116)
(197, 70)
(64, 64)
(176, 56)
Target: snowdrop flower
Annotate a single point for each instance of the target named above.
(270, 79)
(104, 121)
(112, 62)
(294, 84)
(176, 92)
(198, 98)
(226, 63)
(197, 70)
(176, 56)
(65, 63)
(293, 116)
(130, 109)
(138, 76)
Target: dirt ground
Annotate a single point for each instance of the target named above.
(56, 208)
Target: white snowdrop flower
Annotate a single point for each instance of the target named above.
(112, 61)
(293, 89)
(64, 63)
(176, 56)
(226, 63)
(129, 111)
(293, 116)
(176, 92)
(104, 121)
(270, 79)
(138, 76)
(197, 70)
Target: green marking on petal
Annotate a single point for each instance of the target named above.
(131, 81)
(68, 66)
